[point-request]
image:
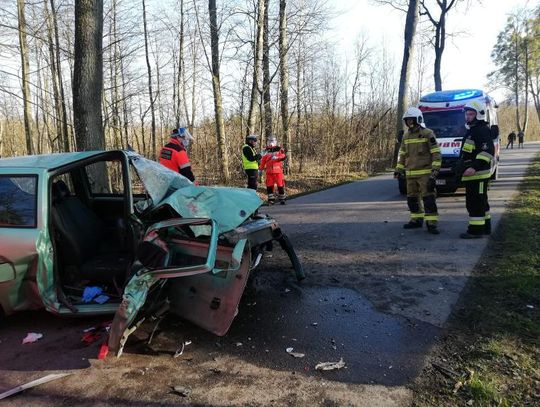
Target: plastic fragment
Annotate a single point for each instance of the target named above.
(330, 365)
(32, 337)
(294, 354)
(183, 391)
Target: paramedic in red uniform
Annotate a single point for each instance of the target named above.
(174, 155)
(272, 164)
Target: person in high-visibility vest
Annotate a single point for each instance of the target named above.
(272, 165)
(419, 160)
(478, 158)
(250, 161)
(174, 155)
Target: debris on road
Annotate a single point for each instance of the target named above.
(180, 350)
(32, 337)
(294, 354)
(33, 383)
(182, 390)
(330, 365)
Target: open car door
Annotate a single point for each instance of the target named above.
(182, 268)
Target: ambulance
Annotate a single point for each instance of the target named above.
(443, 113)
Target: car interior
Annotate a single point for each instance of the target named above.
(93, 241)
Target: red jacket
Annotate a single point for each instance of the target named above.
(272, 161)
(174, 156)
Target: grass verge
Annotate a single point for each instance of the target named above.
(489, 354)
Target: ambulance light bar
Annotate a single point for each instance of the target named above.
(451, 95)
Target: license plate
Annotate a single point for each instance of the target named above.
(440, 182)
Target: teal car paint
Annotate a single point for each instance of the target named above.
(151, 239)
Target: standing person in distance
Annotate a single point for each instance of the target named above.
(174, 155)
(250, 161)
(272, 165)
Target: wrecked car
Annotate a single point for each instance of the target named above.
(148, 238)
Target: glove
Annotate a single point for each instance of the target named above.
(434, 173)
(399, 173)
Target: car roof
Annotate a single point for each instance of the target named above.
(47, 161)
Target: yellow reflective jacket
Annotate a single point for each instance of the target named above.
(419, 152)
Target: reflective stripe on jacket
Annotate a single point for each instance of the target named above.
(419, 152)
(477, 151)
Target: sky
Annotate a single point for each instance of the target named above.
(466, 59)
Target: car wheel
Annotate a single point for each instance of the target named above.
(402, 185)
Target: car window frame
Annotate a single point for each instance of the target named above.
(36, 200)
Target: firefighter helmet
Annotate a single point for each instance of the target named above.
(478, 107)
(415, 113)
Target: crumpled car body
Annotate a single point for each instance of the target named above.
(148, 238)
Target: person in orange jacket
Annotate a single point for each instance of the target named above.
(272, 164)
(174, 155)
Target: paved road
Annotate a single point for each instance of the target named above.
(376, 296)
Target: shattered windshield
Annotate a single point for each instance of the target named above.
(158, 180)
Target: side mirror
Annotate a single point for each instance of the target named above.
(179, 247)
(7, 270)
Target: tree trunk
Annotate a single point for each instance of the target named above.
(25, 64)
(88, 75)
(266, 76)
(180, 72)
(409, 34)
(257, 61)
(64, 121)
(150, 91)
(216, 86)
(284, 82)
(408, 44)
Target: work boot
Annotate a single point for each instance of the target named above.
(433, 229)
(467, 235)
(413, 224)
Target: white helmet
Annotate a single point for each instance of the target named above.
(272, 141)
(478, 107)
(415, 113)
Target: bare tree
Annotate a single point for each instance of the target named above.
(216, 86)
(25, 65)
(284, 81)
(440, 35)
(408, 43)
(150, 90)
(267, 79)
(88, 75)
(258, 50)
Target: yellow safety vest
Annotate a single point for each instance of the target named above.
(249, 165)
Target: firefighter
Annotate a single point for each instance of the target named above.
(419, 160)
(174, 155)
(272, 165)
(250, 161)
(477, 155)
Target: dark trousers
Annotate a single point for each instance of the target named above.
(510, 144)
(476, 200)
(252, 176)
